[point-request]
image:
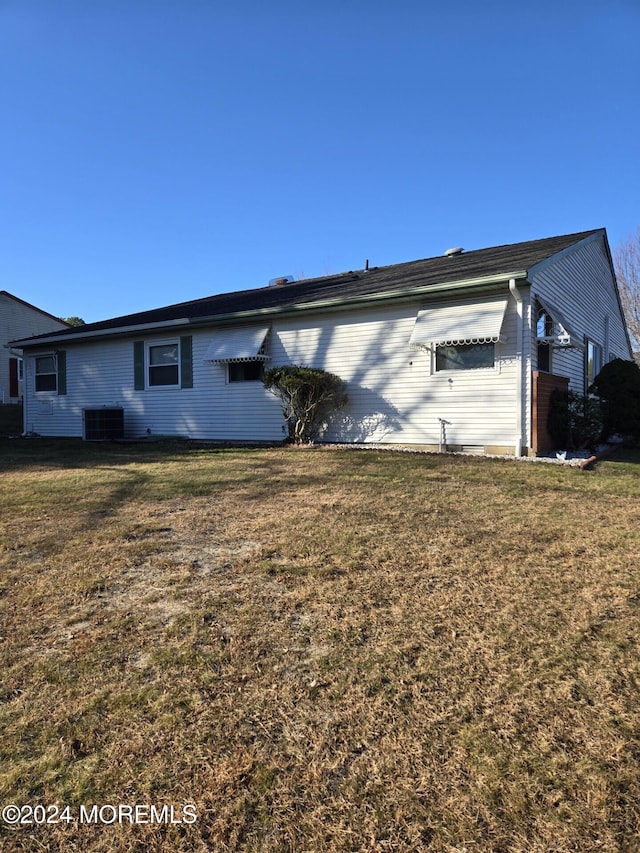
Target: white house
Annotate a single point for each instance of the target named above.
(19, 319)
(461, 349)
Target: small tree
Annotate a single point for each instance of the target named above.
(618, 387)
(309, 396)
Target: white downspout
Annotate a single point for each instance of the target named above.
(25, 394)
(520, 360)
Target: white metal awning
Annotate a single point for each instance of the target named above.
(244, 344)
(461, 323)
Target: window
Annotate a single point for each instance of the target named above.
(552, 333)
(245, 371)
(544, 356)
(544, 327)
(464, 356)
(46, 373)
(544, 336)
(163, 364)
(593, 364)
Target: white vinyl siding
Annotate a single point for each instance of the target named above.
(581, 286)
(394, 394)
(212, 408)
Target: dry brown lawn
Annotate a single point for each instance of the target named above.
(318, 650)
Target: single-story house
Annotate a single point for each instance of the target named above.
(460, 350)
(19, 319)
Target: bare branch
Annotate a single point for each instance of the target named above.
(626, 259)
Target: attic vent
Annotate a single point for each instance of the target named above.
(458, 250)
(283, 279)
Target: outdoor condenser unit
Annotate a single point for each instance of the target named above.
(103, 424)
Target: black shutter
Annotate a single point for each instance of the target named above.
(186, 362)
(138, 365)
(61, 360)
(13, 377)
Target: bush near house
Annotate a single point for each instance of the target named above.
(618, 387)
(612, 407)
(309, 396)
(575, 420)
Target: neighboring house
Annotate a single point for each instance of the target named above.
(18, 319)
(461, 350)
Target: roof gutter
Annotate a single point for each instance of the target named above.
(365, 299)
(98, 333)
(338, 303)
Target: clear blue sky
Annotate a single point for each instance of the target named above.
(154, 151)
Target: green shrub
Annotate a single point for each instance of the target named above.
(575, 420)
(309, 396)
(618, 387)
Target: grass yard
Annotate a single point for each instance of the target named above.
(318, 650)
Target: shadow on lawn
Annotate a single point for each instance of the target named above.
(72, 453)
(69, 453)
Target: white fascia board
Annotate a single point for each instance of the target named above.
(100, 333)
(339, 303)
(552, 259)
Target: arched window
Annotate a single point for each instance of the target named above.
(544, 336)
(544, 325)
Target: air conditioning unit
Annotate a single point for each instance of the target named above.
(103, 424)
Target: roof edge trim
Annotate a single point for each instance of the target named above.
(285, 310)
(100, 333)
(562, 253)
(404, 295)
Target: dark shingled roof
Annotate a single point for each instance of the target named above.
(354, 285)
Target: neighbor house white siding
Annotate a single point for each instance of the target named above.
(19, 320)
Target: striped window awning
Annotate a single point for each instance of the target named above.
(461, 323)
(244, 344)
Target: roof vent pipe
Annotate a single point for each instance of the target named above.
(458, 250)
(281, 280)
